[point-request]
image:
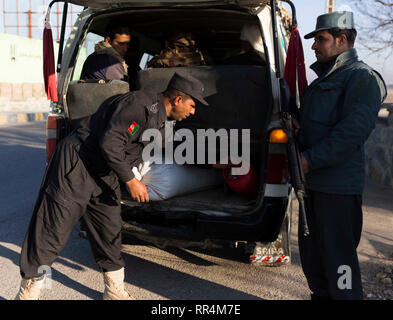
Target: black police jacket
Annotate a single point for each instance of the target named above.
(112, 136)
(339, 111)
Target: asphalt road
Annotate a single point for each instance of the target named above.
(151, 272)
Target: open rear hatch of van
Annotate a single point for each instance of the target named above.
(125, 3)
(239, 97)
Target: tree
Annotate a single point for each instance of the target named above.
(374, 21)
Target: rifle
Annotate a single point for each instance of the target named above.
(294, 159)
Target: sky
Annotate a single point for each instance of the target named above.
(307, 13)
(39, 8)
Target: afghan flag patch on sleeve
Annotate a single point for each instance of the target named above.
(133, 128)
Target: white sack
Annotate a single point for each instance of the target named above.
(164, 181)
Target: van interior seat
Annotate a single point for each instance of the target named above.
(85, 97)
(237, 95)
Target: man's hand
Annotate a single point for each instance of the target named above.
(305, 165)
(137, 190)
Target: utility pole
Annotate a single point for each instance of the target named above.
(330, 5)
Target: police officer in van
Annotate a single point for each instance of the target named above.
(82, 182)
(339, 111)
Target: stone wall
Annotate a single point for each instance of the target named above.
(22, 91)
(379, 150)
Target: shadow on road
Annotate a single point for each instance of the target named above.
(56, 275)
(31, 134)
(163, 281)
(176, 285)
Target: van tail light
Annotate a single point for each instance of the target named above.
(277, 163)
(52, 135)
(278, 136)
(277, 169)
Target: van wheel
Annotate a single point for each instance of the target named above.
(277, 253)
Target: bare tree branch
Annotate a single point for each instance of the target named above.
(374, 22)
(384, 3)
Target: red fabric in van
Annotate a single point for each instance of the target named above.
(295, 61)
(49, 64)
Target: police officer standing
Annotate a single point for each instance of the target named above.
(339, 111)
(82, 182)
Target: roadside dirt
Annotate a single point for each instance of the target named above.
(375, 250)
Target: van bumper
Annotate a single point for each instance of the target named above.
(263, 225)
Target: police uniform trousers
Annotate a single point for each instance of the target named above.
(328, 255)
(68, 193)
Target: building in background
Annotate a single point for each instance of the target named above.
(21, 53)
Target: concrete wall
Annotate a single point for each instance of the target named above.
(21, 59)
(21, 65)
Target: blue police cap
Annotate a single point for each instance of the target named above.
(188, 85)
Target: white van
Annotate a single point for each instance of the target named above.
(240, 97)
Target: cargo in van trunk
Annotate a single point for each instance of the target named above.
(238, 100)
(239, 97)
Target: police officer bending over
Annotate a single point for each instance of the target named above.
(82, 182)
